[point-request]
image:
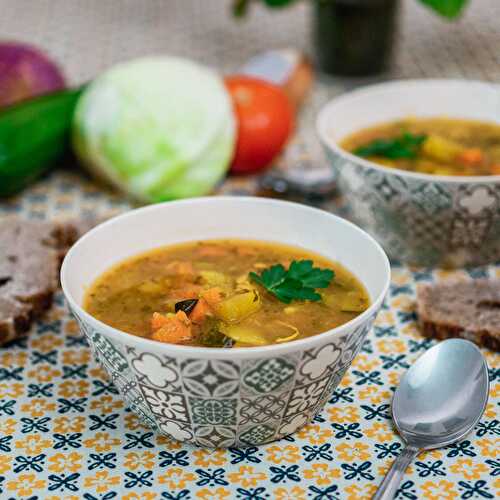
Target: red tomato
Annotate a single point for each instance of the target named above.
(265, 122)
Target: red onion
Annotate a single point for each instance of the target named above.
(26, 72)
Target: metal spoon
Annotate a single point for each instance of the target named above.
(439, 400)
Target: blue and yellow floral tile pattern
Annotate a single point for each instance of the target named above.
(66, 434)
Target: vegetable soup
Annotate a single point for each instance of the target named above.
(226, 293)
(441, 146)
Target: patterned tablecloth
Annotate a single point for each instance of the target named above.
(64, 431)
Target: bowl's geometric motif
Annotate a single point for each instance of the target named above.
(220, 403)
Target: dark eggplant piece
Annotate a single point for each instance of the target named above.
(186, 305)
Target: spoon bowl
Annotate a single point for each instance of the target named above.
(442, 396)
(438, 402)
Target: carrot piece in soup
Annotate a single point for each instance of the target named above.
(157, 321)
(213, 296)
(495, 169)
(470, 157)
(172, 328)
(200, 312)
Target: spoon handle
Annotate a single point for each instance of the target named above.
(390, 484)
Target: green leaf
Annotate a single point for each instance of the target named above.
(446, 8)
(275, 274)
(277, 3)
(300, 268)
(404, 146)
(318, 278)
(297, 283)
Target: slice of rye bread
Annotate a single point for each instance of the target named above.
(31, 253)
(466, 309)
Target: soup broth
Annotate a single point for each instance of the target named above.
(441, 146)
(226, 293)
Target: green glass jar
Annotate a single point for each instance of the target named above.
(354, 37)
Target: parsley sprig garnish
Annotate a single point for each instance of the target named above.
(298, 282)
(404, 146)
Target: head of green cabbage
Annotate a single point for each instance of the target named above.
(158, 128)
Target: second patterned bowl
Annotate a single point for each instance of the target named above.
(421, 219)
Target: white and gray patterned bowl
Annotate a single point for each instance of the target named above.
(421, 219)
(225, 397)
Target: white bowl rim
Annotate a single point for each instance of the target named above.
(219, 352)
(323, 133)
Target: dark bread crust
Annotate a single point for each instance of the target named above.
(441, 332)
(30, 257)
(465, 309)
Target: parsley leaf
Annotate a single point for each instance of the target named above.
(447, 8)
(297, 283)
(404, 146)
